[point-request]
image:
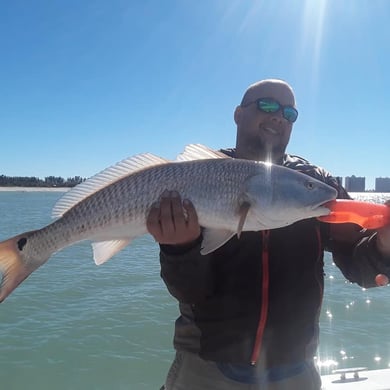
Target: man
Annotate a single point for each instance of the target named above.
(250, 309)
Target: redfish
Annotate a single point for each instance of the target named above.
(110, 209)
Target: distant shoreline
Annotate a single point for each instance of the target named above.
(65, 189)
(34, 189)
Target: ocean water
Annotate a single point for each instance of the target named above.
(73, 325)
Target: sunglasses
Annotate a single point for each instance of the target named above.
(270, 105)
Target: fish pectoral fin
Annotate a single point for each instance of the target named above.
(104, 250)
(213, 239)
(244, 208)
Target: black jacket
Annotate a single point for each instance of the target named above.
(258, 298)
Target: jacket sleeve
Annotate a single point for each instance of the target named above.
(187, 274)
(361, 262)
(354, 250)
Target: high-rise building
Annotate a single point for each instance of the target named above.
(382, 184)
(355, 184)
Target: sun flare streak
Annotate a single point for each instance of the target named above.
(314, 17)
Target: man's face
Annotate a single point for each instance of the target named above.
(266, 132)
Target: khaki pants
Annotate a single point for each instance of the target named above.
(189, 372)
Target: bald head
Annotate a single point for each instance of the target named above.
(264, 135)
(275, 88)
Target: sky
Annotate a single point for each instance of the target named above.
(84, 84)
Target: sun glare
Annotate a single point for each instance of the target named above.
(314, 16)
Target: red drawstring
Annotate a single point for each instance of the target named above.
(264, 299)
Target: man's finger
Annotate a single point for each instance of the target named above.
(166, 215)
(153, 221)
(192, 217)
(179, 218)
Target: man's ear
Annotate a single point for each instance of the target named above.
(237, 114)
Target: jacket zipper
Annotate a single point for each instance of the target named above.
(264, 299)
(320, 249)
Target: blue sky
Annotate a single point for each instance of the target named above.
(86, 83)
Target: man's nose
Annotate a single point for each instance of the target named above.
(277, 116)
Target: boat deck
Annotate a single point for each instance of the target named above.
(357, 379)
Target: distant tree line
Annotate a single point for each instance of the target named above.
(50, 181)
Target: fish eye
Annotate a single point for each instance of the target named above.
(310, 185)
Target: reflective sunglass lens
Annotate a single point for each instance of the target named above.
(290, 113)
(271, 105)
(268, 105)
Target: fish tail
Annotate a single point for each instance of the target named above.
(13, 266)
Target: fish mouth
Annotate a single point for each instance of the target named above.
(327, 206)
(323, 208)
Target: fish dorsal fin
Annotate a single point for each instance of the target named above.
(104, 250)
(199, 152)
(213, 239)
(105, 178)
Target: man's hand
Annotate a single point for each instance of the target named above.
(172, 221)
(383, 240)
(383, 237)
(383, 244)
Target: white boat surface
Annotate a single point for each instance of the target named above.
(357, 378)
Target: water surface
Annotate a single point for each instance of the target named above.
(73, 325)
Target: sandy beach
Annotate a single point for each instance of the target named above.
(34, 189)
